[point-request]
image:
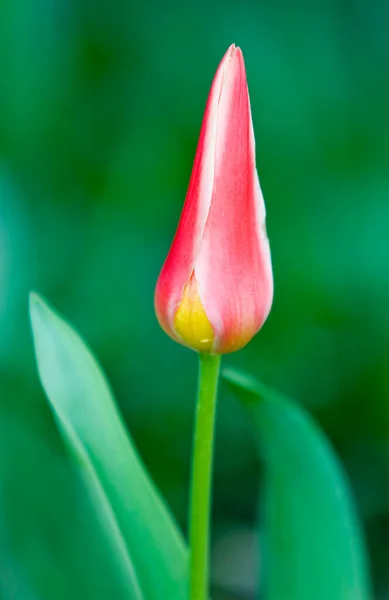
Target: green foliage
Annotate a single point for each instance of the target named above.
(312, 540)
(100, 111)
(148, 546)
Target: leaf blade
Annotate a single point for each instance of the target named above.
(103, 506)
(80, 397)
(313, 543)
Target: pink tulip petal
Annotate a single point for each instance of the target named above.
(233, 268)
(179, 264)
(221, 244)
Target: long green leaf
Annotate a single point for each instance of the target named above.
(38, 493)
(92, 428)
(313, 547)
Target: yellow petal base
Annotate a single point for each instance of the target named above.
(190, 321)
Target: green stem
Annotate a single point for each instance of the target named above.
(202, 475)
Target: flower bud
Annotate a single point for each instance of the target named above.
(215, 289)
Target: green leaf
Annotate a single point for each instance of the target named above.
(56, 540)
(313, 545)
(85, 411)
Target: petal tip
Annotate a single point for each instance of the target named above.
(233, 61)
(234, 51)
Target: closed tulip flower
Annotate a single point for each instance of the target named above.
(215, 289)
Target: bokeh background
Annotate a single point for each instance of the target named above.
(100, 109)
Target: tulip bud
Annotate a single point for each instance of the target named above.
(216, 287)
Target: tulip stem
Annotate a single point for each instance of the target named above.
(199, 523)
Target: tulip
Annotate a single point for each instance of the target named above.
(216, 286)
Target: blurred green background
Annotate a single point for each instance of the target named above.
(100, 109)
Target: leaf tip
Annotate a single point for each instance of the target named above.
(36, 301)
(37, 306)
(33, 299)
(237, 379)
